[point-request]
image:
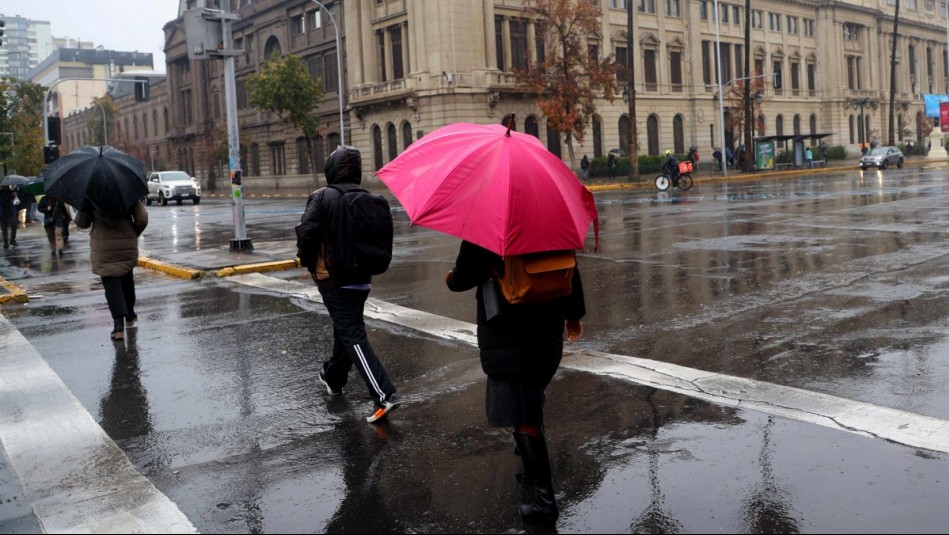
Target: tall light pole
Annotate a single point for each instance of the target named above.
(721, 97)
(632, 149)
(339, 74)
(240, 241)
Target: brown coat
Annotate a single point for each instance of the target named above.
(114, 239)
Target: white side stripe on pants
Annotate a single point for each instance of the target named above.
(372, 378)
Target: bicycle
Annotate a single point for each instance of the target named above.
(684, 182)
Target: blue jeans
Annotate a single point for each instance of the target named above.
(351, 346)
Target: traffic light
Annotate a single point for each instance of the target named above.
(141, 89)
(3, 24)
(777, 79)
(54, 126)
(50, 154)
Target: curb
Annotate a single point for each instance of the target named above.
(262, 267)
(16, 295)
(176, 271)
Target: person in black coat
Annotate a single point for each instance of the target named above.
(9, 208)
(521, 349)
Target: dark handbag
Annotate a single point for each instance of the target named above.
(491, 297)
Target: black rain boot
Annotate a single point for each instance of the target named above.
(543, 512)
(118, 329)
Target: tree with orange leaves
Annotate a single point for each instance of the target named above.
(569, 76)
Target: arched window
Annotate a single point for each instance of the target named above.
(165, 112)
(531, 127)
(623, 128)
(303, 156)
(779, 125)
(155, 122)
(135, 126)
(391, 141)
(678, 134)
(761, 126)
(852, 141)
(145, 125)
(553, 141)
(376, 147)
(406, 135)
(652, 134)
(797, 124)
(597, 137)
(813, 127)
(508, 120)
(272, 48)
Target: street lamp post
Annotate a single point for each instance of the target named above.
(339, 73)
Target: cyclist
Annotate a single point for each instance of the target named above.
(670, 167)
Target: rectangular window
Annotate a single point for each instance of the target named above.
(736, 15)
(330, 73)
(759, 66)
(792, 24)
(930, 6)
(621, 74)
(519, 44)
(647, 6)
(707, 62)
(187, 107)
(795, 77)
(757, 19)
(724, 9)
(315, 66)
(809, 27)
(672, 8)
(851, 72)
(593, 53)
(499, 42)
(675, 70)
(811, 79)
(726, 52)
(776, 67)
(539, 48)
(911, 4)
(649, 69)
(255, 158)
(297, 25)
(395, 34)
(278, 165)
(703, 10)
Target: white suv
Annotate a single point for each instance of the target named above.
(177, 185)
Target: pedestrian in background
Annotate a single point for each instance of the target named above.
(9, 208)
(585, 167)
(344, 293)
(611, 164)
(809, 158)
(55, 220)
(521, 349)
(113, 245)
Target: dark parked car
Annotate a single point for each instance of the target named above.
(881, 157)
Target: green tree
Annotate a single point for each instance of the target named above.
(103, 132)
(285, 87)
(569, 77)
(21, 121)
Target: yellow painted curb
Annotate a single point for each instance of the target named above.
(258, 268)
(176, 271)
(16, 295)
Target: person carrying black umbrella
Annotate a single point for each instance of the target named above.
(114, 254)
(9, 207)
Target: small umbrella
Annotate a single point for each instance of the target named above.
(103, 178)
(14, 180)
(34, 187)
(496, 188)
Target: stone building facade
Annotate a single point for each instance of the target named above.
(411, 66)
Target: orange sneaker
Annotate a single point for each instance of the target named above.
(382, 412)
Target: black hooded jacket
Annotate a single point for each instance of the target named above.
(343, 170)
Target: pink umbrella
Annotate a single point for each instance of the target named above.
(499, 189)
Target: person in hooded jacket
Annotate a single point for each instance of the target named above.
(9, 206)
(344, 294)
(113, 245)
(521, 349)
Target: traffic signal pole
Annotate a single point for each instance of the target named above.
(240, 241)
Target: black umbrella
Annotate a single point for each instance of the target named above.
(14, 180)
(103, 178)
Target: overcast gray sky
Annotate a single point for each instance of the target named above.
(123, 25)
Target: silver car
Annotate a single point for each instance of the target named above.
(881, 157)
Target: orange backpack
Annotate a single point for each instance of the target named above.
(534, 277)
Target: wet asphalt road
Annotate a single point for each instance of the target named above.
(834, 284)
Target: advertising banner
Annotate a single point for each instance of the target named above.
(944, 116)
(931, 102)
(764, 155)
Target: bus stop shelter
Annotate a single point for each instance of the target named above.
(766, 155)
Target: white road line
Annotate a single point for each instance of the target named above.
(866, 419)
(76, 478)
